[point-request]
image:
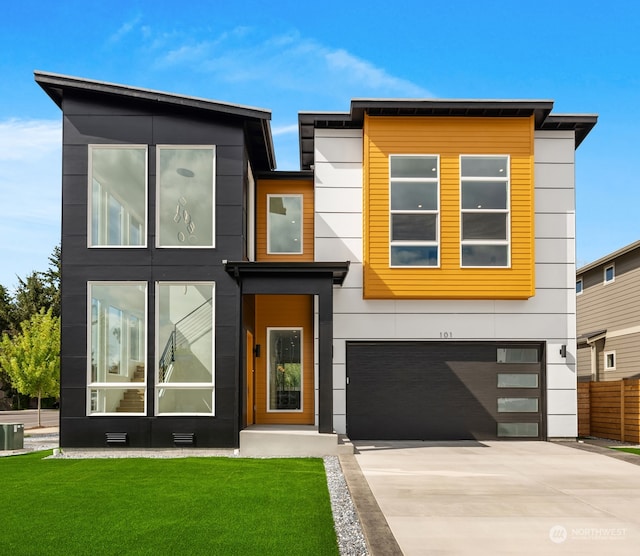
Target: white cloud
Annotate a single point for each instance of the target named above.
(30, 176)
(285, 61)
(284, 130)
(124, 30)
(24, 139)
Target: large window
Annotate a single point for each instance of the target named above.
(185, 348)
(117, 336)
(186, 196)
(414, 228)
(484, 201)
(284, 224)
(117, 196)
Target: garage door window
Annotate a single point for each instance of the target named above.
(518, 355)
(517, 405)
(517, 380)
(509, 430)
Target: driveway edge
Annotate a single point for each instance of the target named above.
(377, 533)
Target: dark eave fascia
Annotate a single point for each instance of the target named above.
(581, 124)
(55, 84)
(285, 175)
(240, 269)
(608, 258)
(540, 109)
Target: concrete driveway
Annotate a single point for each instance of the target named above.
(496, 498)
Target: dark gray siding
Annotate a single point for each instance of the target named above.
(88, 121)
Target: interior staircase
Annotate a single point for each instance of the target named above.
(133, 399)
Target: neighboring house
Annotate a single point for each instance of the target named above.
(608, 306)
(414, 280)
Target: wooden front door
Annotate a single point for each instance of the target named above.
(284, 385)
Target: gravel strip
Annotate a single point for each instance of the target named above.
(351, 540)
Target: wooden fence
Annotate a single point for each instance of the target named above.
(610, 409)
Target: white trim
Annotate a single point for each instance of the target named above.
(143, 348)
(437, 211)
(212, 148)
(606, 355)
(158, 387)
(300, 329)
(506, 211)
(104, 209)
(611, 266)
(623, 332)
(301, 240)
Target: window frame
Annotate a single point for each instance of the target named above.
(161, 386)
(158, 208)
(506, 211)
(93, 386)
(437, 212)
(105, 196)
(612, 268)
(579, 286)
(300, 330)
(606, 355)
(268, 238)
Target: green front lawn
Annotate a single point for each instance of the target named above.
(213, 506)
(635, 451)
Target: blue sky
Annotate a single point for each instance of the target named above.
(290, 56)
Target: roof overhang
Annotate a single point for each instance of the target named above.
(256, 121)
(354, 119)
(241, 269)
(589, 338)
(609, 258)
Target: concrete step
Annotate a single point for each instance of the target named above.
(291, 441)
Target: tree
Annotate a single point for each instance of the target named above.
(52, 279)
(31, 358)
(6, 310)
(37, 291)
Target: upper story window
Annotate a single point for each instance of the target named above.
(414, 203)
(609, 274)
(579, 286)
(484, 203)
(185, 196)
(117, 195)
(284, 224)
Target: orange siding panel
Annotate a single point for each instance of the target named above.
(293, 311)
(448, 137)
(285, 187)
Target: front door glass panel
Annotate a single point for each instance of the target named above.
(284, 376)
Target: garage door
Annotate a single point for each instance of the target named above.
(444, 390)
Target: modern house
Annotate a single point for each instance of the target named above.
(608, 307)
(413, 280)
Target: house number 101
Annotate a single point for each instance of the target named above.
(446, 335)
